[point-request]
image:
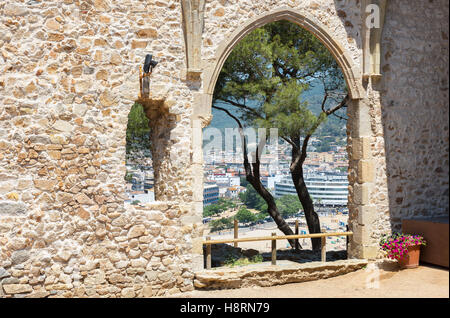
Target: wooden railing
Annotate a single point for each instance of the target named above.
(274, 239)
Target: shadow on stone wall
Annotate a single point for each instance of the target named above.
(414, 107)
(162, 123)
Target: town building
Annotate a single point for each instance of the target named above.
(325, 189)
(210, 194)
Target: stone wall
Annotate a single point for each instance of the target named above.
(138, 253)
(415, 109)
(69, 75)
(68, 78)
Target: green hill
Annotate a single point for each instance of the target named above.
(334, 126)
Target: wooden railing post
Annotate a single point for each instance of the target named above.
(273, 238)
(297, 245)
(208, 253)
(324, 248)
(346, 240)
(236, 231)
(274, 250)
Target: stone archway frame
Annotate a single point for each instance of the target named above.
(361, 162)
(352, 73)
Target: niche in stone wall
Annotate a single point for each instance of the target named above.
(139, 177)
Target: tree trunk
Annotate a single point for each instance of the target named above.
(312, 219)
(252, 175)
(272, 208)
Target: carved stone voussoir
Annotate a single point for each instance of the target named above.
(373, 13)
(193, 21)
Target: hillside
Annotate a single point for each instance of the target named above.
(334, 126)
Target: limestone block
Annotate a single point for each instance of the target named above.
(370, 252)
(361, 193)
(96, 277)
(44, 184)
(361, 148)
(366, 171)
(12, 208)
(80, 109)
(63, 256)
(118, 278)
(17, 288)
(84, 199)
(136, 231)
(147, 291)
(366, 214)
(63, 126)
(190, 219)
(197, 246)
(147, 33)
(128, 292)
(19, 257)
(13, 9)
(266, 275)
(4, 273)
(361, 234)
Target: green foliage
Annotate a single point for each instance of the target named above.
(226, 203)
(332, 126)
(252, 199)
(245, 216)
(211, 210)
(128, 177)
(138, 131)
(221, 224)
(324, 146)
(288, 205)
(219, 207)
(135, 202)
(244, 182)
(261, 216)
(232, 261)
(335, 127)
(270, 70)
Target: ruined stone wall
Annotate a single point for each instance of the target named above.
(415, 109)
(69, 76)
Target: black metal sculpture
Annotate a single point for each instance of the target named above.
(144, 78)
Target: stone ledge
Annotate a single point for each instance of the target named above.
(265, 275)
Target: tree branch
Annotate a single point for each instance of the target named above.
(289, 141)
(304, 148)
(343, 103)
(247, 166)
(324, 101)
(340, 117)
(242, 106)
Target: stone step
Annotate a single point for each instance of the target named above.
(265, 275)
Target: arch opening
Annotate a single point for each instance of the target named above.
(226, 55)
(139, 175)
(351, 73)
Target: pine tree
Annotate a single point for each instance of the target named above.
(264, 78)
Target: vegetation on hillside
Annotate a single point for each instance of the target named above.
(219, 207)
(138, 133)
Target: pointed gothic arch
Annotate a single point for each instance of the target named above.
(352, 73)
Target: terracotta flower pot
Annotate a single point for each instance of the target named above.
(410, 260)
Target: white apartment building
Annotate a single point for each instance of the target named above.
(325, 189)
